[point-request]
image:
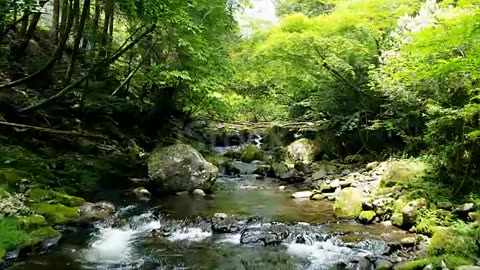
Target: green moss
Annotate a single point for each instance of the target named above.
(11, 177)
(11, 236)
(251, 153)
(31, 222)
(56, 213)
(401, 172)
(436, 262)
(397, 219)
(367, 217)
(40, 195)
(428, 220)
(349, 203)
(458, 241)
(41, 234)
(217, 160)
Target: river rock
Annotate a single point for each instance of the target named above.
(302, 194)
(359, 263)
(90, 212)
(303, 151)
(382, 264)
(142, 193)
(367, 217)
(372, 165)
(320, 174)
(222, 223)
(317, 197)
(180, 168)
(267, 236)
(348, 203)
(463, 210)
(445, 206)
(283, 172)
(198, 192)
(410, 212)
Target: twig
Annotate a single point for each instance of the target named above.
(54, 131)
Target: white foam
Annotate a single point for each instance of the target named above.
(231, 238)
(111, 246)
(190, 234)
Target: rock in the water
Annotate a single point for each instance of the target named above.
(382, 264)
(180, 168)
(303, 150)
(367, 217)
(397, 219)
(90, 212)
(222, 223)
(142, 193)
(199, 192)
(266, 236)
(302, 194)
(359, 263)
(282, 171)
(349, 203)
(317, 197)
(408, 241)
(282, 187)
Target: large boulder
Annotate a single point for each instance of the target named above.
(179, 168)
(403, 171)
(303, 151)
(348, 203)
(251, 153)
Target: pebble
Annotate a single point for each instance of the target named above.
(282, 187)
(302, 194)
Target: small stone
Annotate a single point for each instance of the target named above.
(198, 192)
(317, 197)
(445, 206)
(346, 172)
(282, 187)
(220, 215)
(366, 217)
(335, 184)
(367, 206)
(408, 241)
(372, 165)
(182, 193)
(142, 193)
(302, 194)
(322, 173)
(345, 183)
(397, 219)
(382, 264)
(474, 216)
(463, 210)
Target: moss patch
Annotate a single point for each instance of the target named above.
(436, 262)
(40, 195)
(367, 217)
(251, 153)
(56, 213)
(458, 241)
(401, 172)
(348, 203)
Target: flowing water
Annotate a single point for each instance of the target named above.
(315, 241)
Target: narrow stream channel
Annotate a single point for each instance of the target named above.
(315, 240)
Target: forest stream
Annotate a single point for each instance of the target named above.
(250, 223)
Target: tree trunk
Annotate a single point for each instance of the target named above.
(78, 38)
(106, 27)
(96, 20)
(56, 20)
(93, 71)
(24, 25)
(30, 31)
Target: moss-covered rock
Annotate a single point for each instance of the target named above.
(411, 210)
(179, 168)
(251, 153)
(56, 213)
(401, 172)
(397, 219)
(303, 151)
(317, 197)
(367, 217)
(459, 242)
(40, 195)
(450, 261)
(348, 203)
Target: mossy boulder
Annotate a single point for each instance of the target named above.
(317, 197)
(367, 217)
(40, 195)
(459, 242)
(282, 171)
(450, 261)
(401, 172)
(348, 204)
(251, 153)
(411, 210)
(303, 151)
(397, 219)
(179, 168)
(56, 213)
